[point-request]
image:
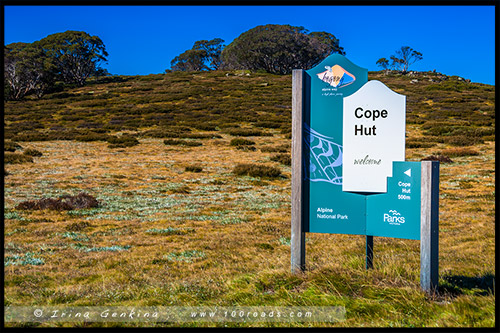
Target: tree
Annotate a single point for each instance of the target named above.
(27, 70)
(76, 54)
(204, 55)
(279, 49)
(213, 49)
(329, 42)
(383, 63)
(405, 57)
(190, 60)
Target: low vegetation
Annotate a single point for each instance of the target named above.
(169, 223)
(254, 170)
(439, 158)
(241, 142)
(194, 168)
(15, 158)
(284, 159)
(66, 202)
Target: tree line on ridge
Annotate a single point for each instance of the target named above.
(72, 57)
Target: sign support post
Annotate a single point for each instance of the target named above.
(429, 226)
(369, 252)
(297, 241)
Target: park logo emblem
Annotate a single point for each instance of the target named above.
(394, 218)
(336, 76)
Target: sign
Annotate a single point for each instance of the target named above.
(396, 213)
(348, 170)
(333, 179)
(373, 137)
(329, 209)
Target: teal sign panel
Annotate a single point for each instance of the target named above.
(396, 213)
(328, 209)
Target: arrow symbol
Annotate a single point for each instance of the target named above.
(408, 172)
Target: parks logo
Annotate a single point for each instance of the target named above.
(394, 218)
(336, 76)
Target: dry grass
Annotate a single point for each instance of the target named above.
(166, 236)
(239, 232)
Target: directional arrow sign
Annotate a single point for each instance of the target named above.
(397, 212)
(408, 172)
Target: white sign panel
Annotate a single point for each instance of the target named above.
(373, 137)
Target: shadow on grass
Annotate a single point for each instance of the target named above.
(467, 285)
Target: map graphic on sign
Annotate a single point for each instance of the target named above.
(325, 157)
(336, 76)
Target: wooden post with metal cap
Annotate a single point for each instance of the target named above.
(297, 241)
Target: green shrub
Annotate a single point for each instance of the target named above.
(184, 189)
(122, 141)
(170, 132)
(68, 134)
(241, 142)
(13, 158)
(440, 158)
(463, 140)
(30, 136)
(228, 126)
(245, 132)
(175, 142)
(246, 148)
(284, 159)
(92, 136)
(474, 131)
(268, 124)
(193, 168)
(414, 119)
(276, 149)
(203, 126)
(89, 124)
(254, 170)
(65, 202)
(32, 152)
(489, 138)
(11, 146)
(448, 85)
(457, 152)
(438, 130)
(286, 129)
(200, 136)
(432, 124)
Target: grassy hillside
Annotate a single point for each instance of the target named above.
(191, 172)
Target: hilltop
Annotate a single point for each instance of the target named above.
(443, 109)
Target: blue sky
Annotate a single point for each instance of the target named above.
(141, 40)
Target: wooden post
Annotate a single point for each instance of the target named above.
(429, 226)
(369, 252)
(297, 242)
